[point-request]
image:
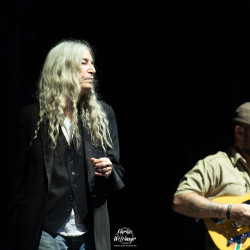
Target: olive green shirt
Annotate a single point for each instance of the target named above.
(216, 175)
(221, 174)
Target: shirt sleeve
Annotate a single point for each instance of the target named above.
(201, 179)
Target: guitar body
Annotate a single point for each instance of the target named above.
(220, 232)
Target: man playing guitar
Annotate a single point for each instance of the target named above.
(219, 175)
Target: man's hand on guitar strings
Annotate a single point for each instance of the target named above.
(240, 213)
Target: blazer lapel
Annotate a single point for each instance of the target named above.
(48, 153)
(88, 154)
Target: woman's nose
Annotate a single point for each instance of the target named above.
(92, 69)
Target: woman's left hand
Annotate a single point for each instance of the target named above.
(102, 166)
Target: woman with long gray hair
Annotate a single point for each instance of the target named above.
(67, 158)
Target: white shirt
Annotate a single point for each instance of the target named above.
(73, 225)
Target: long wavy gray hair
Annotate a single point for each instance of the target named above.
(59, 85)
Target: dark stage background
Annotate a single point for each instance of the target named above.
(173, 72)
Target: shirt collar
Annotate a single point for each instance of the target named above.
(236, 157)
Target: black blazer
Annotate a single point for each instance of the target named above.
(31, 177)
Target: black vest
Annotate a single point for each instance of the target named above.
(68, 185)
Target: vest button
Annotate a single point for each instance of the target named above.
(73, 173)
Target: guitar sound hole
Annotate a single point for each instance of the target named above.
(247, 202)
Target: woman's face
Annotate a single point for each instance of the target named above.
(87, 71)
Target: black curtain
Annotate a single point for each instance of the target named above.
(174, 72)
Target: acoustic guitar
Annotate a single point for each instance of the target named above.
(227, 234)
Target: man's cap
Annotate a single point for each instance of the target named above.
(242, 114)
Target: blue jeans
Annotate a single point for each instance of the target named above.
(59, 242)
